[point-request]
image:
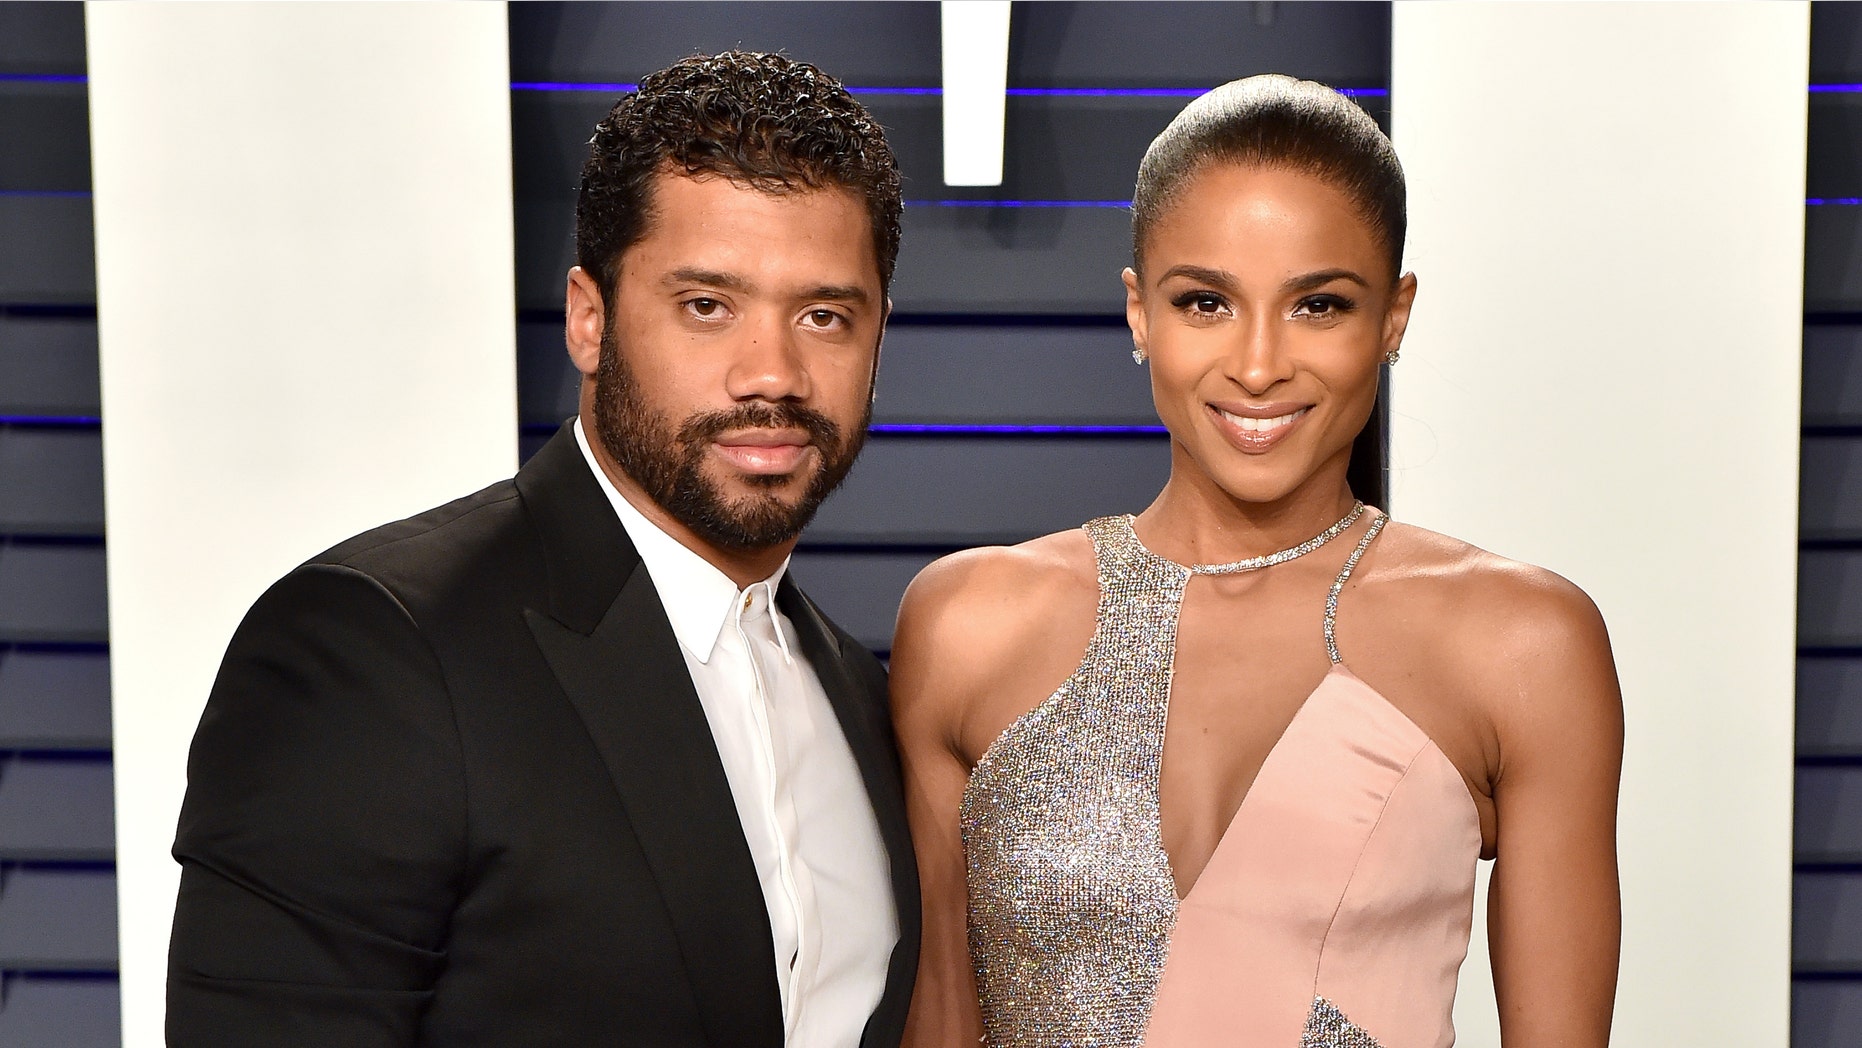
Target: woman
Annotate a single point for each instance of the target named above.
(1219, 773)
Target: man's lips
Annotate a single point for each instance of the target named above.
(767, 451)
(1256, 428)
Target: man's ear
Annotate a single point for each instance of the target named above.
(885, 314)
(585, 317)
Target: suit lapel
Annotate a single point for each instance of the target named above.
(621, 668)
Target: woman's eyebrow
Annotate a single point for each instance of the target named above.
(1201, 274)
(1309, 281)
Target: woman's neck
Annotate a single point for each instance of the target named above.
(1199, 523)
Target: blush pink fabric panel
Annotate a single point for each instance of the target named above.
(1348, 873)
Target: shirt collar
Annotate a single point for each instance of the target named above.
(699, 599)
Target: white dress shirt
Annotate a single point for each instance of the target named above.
(804, 809)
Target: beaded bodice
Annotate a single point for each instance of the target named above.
(1071, 896)
(1072, 902)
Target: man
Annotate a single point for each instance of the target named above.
(571, 761)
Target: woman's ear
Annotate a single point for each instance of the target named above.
(1396, 318)
(1134, 316)
(585, 318)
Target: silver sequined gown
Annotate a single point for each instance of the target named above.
(1333, 914)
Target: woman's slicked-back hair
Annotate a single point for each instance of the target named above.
(1277, 122)
(762, 120)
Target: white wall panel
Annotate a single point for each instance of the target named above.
(1602, 377)
(305, 308)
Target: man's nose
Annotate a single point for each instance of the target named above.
(769, 364)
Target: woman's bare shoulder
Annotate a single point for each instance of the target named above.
(974, 623)
(1520, 635)
(993, 595)
(1513, 605)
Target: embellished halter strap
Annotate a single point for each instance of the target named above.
(1378, 520)
(1338, 586)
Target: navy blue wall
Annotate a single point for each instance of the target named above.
(1827, 910)
(57, 850)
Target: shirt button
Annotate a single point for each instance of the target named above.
(747, 598)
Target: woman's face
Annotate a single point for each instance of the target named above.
(1266, 305)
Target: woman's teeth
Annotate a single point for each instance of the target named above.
(1256, 424)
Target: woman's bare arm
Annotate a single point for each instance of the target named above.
(1554, 915)
(933, 655)
(983, 636)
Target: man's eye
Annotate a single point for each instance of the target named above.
(823, 318)
(705, 307)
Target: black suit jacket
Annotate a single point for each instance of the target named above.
(453, 787)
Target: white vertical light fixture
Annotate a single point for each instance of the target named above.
(305, 314)
(976, 78)
(1602, 376)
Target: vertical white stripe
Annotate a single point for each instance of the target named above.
(1606, 206)
(976, 69)
(306, 310)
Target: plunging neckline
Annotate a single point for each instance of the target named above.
(1338, 670)
(1163, 756)
(1336, 665)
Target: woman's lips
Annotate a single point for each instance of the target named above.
(1254, 431)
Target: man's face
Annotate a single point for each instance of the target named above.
(735, 377)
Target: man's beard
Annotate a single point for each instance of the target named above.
(668, 462)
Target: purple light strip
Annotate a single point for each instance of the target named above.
(1122, 204)
(72, 421)
(1055, 92)
(74, 194)
(1152, 92)
(1126, 204)
(1023, 92)
(952, 429)
(565, 85)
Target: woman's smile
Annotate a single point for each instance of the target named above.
(1255, 430)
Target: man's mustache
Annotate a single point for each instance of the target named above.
(821, 430)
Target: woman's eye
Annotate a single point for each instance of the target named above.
(1202, 304)
(1322, 306)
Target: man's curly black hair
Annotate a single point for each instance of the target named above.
(762, 120)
